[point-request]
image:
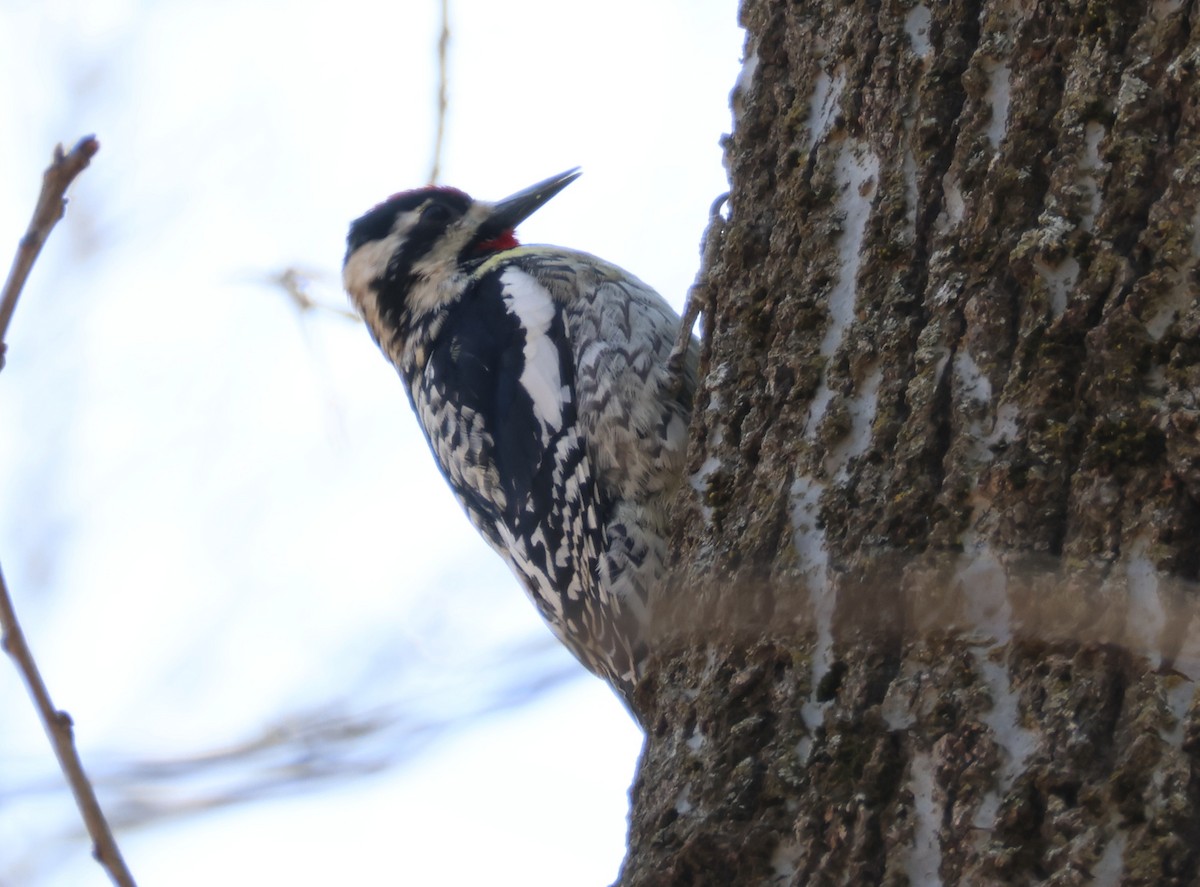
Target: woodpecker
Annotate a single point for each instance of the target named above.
(540, 378)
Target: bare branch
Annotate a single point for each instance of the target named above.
(435, 169)
(50, 207)
(59, 729)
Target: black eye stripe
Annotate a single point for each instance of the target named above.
(374, 225)
(377, 223)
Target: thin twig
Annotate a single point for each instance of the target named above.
(698, 297)
(435, 169)
(59, 728)
(296, 284)
(50, 207)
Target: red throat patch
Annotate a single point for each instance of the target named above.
(506, 240)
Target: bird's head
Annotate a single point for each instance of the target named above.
(407, 257)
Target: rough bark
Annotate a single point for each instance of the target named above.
(944, 524)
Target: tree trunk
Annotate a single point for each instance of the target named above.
(933, 616)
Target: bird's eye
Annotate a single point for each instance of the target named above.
(438, 213)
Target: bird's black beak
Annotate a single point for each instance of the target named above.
(511, 211)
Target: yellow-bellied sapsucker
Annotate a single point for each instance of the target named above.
(539, 376)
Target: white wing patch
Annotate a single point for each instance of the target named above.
(532, 305)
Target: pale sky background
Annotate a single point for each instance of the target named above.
(218, 514)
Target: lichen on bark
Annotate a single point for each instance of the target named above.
(933, 621)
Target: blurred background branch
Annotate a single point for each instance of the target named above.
(443, 97)
(309, 749)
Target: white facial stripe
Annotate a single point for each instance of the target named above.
(364, 268)
(439, 268)
(365, 265)
(436, 276)
(369, 262)
(529, 301)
